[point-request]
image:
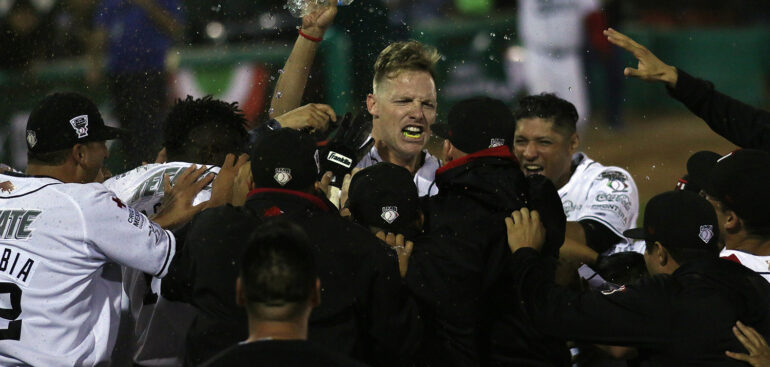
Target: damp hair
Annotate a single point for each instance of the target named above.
(404, 56)
(203, 129)
(549, 107)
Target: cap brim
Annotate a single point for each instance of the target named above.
(440, 130)
(635, 233)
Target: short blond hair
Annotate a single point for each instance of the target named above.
(404, 56)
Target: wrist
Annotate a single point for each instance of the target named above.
(313, 34)
(671, 76)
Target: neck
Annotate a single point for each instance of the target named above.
(411, 163)
(565, 178)
(63, 173)
(276, 330)
(746, 243)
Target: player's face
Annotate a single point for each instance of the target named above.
(95, 153)
(542, 149)
(403, 108)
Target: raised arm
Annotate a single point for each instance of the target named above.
(291, 83)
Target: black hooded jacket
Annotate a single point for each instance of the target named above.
(682, 319)
(460, 270)
(365, 311)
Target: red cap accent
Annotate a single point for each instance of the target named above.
(272, 212)
(502, 151)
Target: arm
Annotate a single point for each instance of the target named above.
(741, 124)
(164, 21)
(291, 83)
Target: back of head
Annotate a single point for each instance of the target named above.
(278, 271)
(404, 56)
(477, 123)
(204, 130)
(285, 159)
(548, 106)
(385, 197)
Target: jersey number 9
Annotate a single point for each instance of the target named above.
(13, 332)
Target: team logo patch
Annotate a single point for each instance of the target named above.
(617, 181)
(389, 214)
(282, 176)
(31, 138)
(80, 124)
(706, 233)
(6, 186)
(496, 142)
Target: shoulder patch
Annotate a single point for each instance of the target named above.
(616, 180)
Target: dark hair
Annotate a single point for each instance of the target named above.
(278, 268)
(683, 255)
(54, 158)
(549, 106)
(204, 130)
(754, 228)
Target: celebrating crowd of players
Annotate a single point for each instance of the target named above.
(278, 246)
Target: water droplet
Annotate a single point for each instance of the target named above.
(647, 178)
(278, 94)
(492, 34)
(280, 71)
(506, 37)
(271, 110)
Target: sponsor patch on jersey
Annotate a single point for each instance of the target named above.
(706, 233)
(136, 218)
(623, 199)
(496, 142)
(80, 124)
(389, 214)
(616, 180)
(339, 159)
(282, 176)
(31, 138)
(6, 186)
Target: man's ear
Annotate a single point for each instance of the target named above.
(732, 222)
(240, 296)
(315, 298)
(574, 142)
(371, 105)
(79, 152)
(661, 254)
(446, 151)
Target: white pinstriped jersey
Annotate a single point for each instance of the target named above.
(158, 325)
(607, 195)
(60, 244)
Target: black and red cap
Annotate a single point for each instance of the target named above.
(62, 120)
(476, 124)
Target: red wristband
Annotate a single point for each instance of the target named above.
(308, 37)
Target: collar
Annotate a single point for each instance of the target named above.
(311, 198)
(500, 152)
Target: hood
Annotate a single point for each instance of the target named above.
(491, 176)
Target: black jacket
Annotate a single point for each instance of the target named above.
(682, 319)
(741, 124)
(459, 271)
(365, 310)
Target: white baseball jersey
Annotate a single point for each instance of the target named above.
(760, 264)
(607, 195)
(423, 178)
(159, 325)
(59, 283)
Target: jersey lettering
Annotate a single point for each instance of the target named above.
(15, 223)
(153, 184)
(17, 265)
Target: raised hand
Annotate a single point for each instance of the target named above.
(401, 245)
(316, 23)
(759, 352)
(525, 230)
(650, 67)
(314, 116)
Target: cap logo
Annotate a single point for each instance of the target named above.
(282, 176)
(496, 142)
(389, 214)
(706, 233)
(339, 159)
(80, 124)
(31, 138)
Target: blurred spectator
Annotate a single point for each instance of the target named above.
(137, 34)
(25, 33)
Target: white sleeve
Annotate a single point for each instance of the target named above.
(612, 199)
(125, 235)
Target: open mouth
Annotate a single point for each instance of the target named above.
(412, 132)
(533, 169)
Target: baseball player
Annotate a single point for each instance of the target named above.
(402, 103)
(64, 237)
(600, 201)
(196, 130)
(552, 32)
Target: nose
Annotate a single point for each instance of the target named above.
(416, 111)
(530, 151)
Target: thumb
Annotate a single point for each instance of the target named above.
(632, 72)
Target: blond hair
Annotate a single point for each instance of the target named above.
(404, 56)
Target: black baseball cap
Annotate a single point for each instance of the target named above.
(286, 159)
(699, 167)
(476, 124)
(681, 219)
(62, 120)
(384, 195)
(739, 180)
